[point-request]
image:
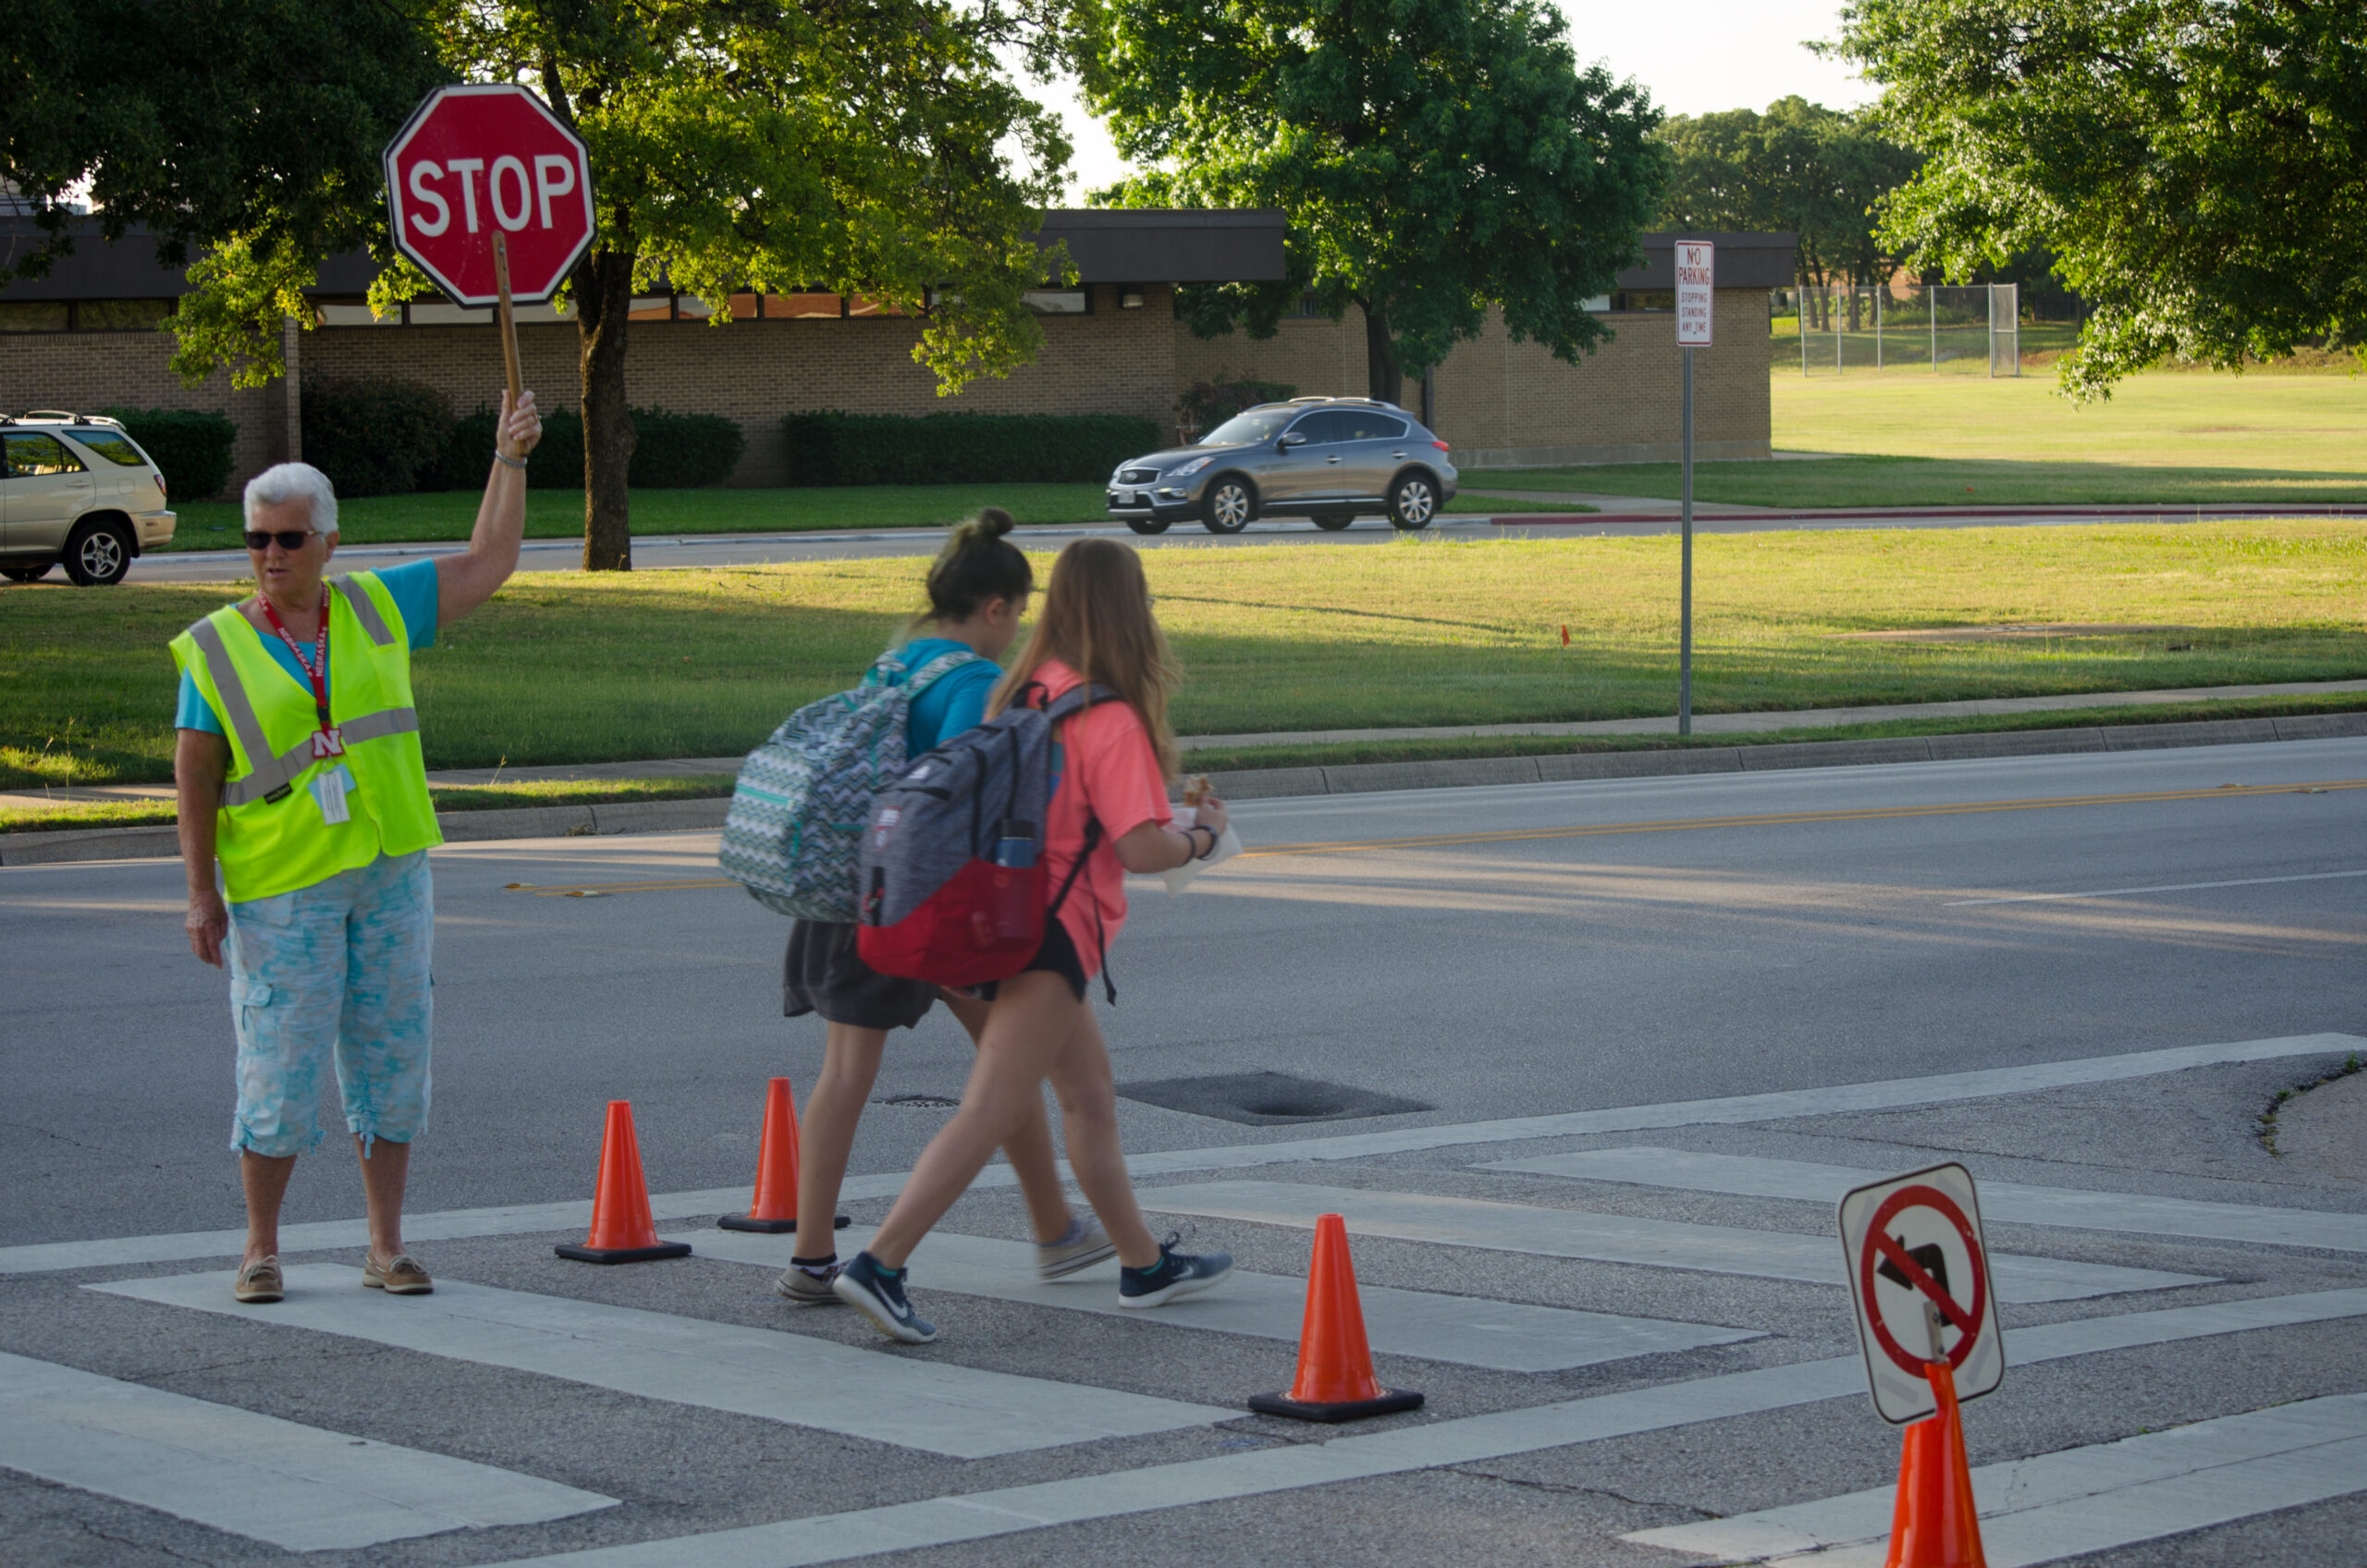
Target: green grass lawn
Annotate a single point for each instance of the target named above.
(558, 514)
(1422, 631)
(2169, 438)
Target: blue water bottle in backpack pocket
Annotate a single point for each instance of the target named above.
(1010, 915)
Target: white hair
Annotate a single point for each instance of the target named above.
(290, 481)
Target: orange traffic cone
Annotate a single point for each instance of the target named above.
(775, 1208)
(1934, 1524)
(1335, 1380)
(622, 1230)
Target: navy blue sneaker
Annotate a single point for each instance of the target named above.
(1175, 1274)
(877, 1291)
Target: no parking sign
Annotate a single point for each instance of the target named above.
(1914, 1243)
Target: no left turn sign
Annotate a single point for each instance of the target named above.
(1914, 1241)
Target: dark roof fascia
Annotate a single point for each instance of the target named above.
(1115, 245)
(1744, 260)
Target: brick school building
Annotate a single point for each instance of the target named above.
(86, 337)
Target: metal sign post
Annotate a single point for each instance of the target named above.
(1696, 311)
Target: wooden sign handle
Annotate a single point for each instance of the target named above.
(508, 322)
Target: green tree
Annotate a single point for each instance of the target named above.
(203, 120)
(875, 148)
(1799, 168)
(1434, 157)
(2193, 166)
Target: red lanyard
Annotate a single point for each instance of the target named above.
(317, 667)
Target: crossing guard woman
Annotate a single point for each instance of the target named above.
(300, 776)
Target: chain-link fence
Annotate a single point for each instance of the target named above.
(1953, 329)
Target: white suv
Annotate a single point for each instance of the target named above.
(75, 489)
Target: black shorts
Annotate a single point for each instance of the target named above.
(822, 973)
(1058, 955)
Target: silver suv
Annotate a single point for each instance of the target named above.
(1328, 458)
(75, 489)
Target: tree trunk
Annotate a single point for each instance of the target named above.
(602, 305)
(1383, 378)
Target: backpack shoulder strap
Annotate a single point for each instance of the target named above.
(937, 668)
(1076, 699)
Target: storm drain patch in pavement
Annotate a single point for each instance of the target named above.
(1267, 1099)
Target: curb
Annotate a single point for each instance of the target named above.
(1364, 778)
(1275, 783)
(459, 827)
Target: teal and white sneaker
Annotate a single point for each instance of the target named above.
(1085, 1244)
(1175, 1274)
(877, 1291)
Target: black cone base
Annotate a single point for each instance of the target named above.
(622, 1255)
(768, 1226)
(1390, 1401)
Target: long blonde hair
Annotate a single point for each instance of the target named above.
(1096, 619)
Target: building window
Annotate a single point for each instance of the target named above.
(352, 312)
(804, 307)
(121, 315)
(1305, 310)
(652, 307)
(1057, 301)
(1644, 300)
(859, 306)
(32, 316)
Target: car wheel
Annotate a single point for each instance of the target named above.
(1147, 524)
(26, 573)
(98, 554)
(1228, 506)
(1331, 522)
(1412, 502)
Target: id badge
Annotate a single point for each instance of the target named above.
(328, 790)
(330, 743)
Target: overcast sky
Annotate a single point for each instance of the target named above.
(1707, 55)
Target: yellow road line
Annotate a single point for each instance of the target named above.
(1680, 825)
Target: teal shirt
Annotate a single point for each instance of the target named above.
(958, 701)
(412, 585)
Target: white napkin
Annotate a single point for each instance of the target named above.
(1228, 846)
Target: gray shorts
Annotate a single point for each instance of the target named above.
(822, 973)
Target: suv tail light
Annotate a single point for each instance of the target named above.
(1439, 444)
(161, 494)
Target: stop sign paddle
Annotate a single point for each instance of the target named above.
(490, 194)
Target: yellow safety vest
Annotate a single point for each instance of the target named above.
(270, 835)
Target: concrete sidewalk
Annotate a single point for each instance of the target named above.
(1703, 724)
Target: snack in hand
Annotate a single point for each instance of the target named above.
(1194, 788)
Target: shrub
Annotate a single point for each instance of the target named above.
(191, 449)
(670, 451)
(1207, 404)
(841, 449)
(683, 451)
(374, 437)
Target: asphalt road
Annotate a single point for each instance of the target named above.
(1492, 954)
(662, 551)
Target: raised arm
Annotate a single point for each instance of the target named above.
(464, 582)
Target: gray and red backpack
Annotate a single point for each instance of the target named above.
(952, 885)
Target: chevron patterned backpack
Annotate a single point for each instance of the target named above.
(804, 797)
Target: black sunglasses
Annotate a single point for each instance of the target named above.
(290, 539)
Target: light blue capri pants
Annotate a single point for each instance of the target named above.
(340, 968)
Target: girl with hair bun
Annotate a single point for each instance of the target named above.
(978, 593)
(1116, 760)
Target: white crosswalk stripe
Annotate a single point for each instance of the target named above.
(1510, 1336)
(1615, 1238)
(839, 1537)
(2081, 1499)
(935, 1406)
(1749, 1176)
(293, 1485)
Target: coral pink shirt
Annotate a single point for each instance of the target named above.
(1109, 763)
